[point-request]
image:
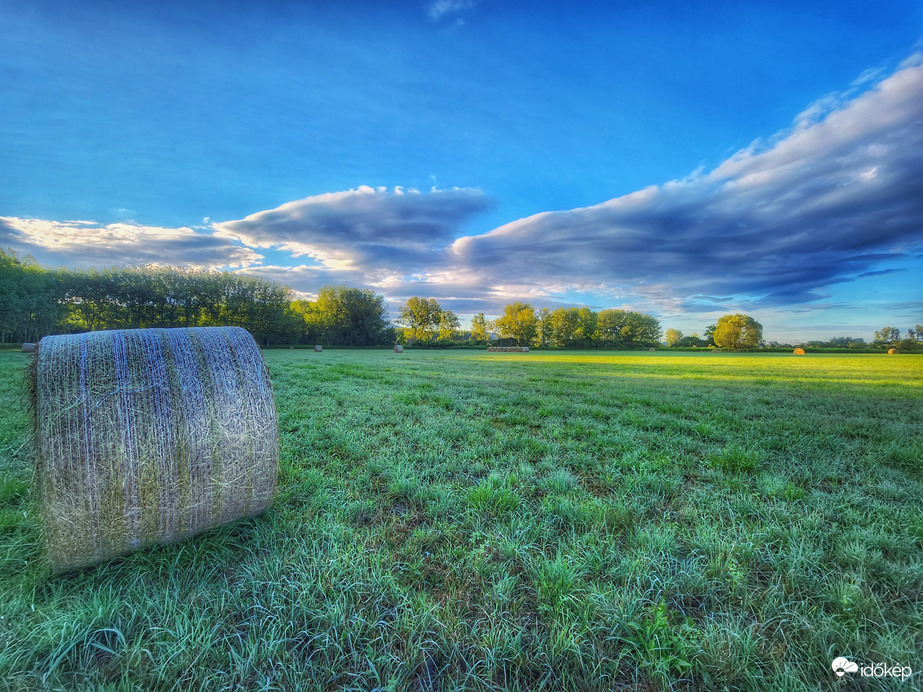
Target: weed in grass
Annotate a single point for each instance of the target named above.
(734, 459)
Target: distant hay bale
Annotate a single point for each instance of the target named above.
(28, 348)
(891, 351)
(149, 436)
(318, 348)
(398, 348)
(291, 348)
(525, 349)
(651, 349)
(798, 351)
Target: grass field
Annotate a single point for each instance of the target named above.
(465, 520)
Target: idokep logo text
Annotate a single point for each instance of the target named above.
(842, 665)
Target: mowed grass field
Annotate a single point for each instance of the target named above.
(465, 520)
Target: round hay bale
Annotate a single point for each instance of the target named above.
(291, 348)
(398, 348)
(525, 349)
(798, 352)
(28, 347)
(318, 348)
(149, 436)
(891, 351)
(651, 349)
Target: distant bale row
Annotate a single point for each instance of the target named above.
(507, 349)
(149, 436)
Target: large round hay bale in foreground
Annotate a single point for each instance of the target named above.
(798, 351)
(150, 436)
(318, 348)
(28, 347)
(398, 348)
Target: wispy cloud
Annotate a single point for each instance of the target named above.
(439, 9)
(90, 243)
(775, 224)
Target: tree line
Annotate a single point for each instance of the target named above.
(37, 301)
(424, 321)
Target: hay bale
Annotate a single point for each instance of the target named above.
(892, 351)
(798, 352)
(398, 348)
(318, 348)
(525, 349)
(651, 349)
(149, 436)
(291, 348)
(28, 347)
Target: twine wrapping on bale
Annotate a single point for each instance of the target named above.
(28, 347)
(798, 352)
(150, 436)
(398, 348)
(318, 348)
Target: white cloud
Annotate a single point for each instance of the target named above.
(87, 242)
(773, 224)
(437, 9)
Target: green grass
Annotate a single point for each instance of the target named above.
(464, 520)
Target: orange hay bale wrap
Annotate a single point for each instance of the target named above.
(798, 351)
(892, 351)
(150, 436)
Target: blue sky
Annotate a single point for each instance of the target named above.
(682, 160)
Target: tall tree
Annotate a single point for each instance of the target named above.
(738, 331)
(672, 337)
(448, 325)
(518, 322)
(544, 327)
(479, 328)
(422, 317)
(628, 328)
(345, 316)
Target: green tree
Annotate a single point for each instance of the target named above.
(345, 316)
(888, 336)
(564, 326)
(627, 328)
(479, 328)
(518, 322)
(422, 317)
(544, 327)
(448, 325)
(30, 305)
(672, 337)
(738, 331)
